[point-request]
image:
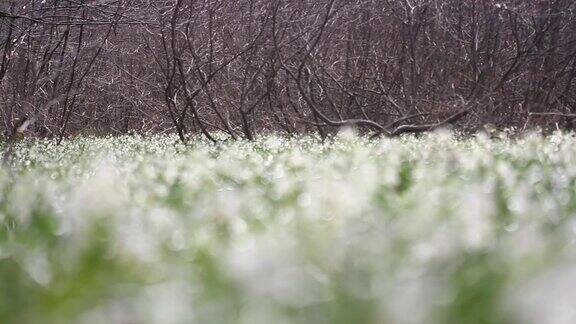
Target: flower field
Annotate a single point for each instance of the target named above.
(435, 229)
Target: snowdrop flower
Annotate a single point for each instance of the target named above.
(475, 218)
(269, 267)
(549, 298)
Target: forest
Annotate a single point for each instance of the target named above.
(244, 67)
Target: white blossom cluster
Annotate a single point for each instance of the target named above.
(436, 229)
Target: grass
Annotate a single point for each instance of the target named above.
(414, 230)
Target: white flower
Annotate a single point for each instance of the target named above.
(549, 298)
(476, 216)
(268, 267)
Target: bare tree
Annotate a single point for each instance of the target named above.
(248, 66)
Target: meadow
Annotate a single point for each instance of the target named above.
(435, 229)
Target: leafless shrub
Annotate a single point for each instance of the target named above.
(242, 67)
